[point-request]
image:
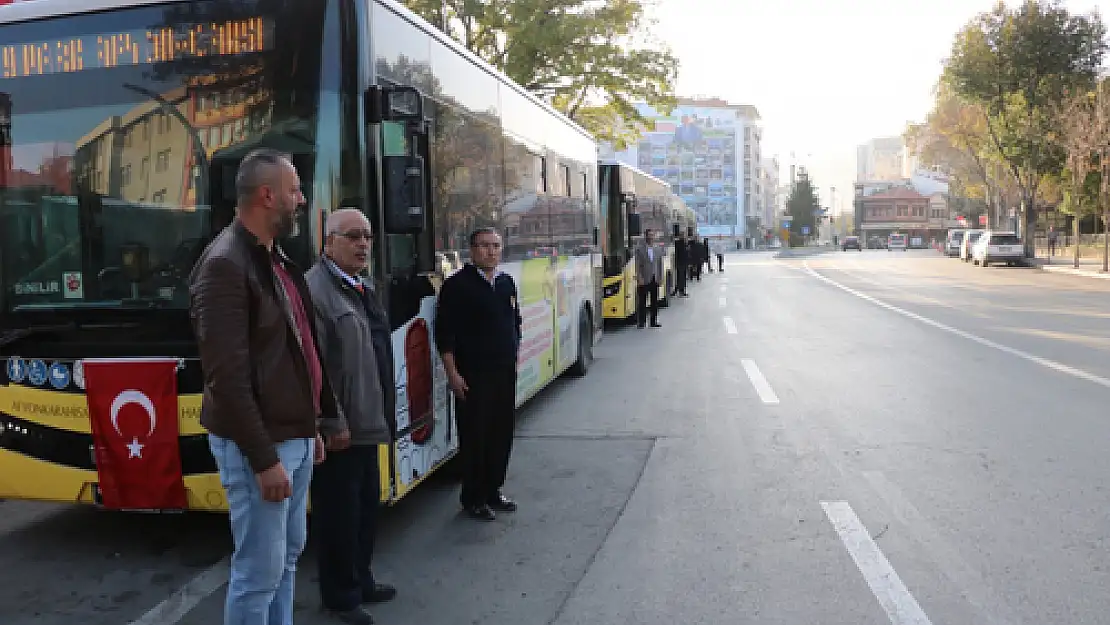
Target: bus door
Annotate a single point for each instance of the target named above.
(402, 133)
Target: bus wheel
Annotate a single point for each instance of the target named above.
(585, 345)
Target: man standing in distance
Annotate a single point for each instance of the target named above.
(478, 333)
(346, 487)
(649, 271)
(267, 399)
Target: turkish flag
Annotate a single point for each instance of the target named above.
(133, 413)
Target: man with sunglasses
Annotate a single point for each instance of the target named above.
(355, 347)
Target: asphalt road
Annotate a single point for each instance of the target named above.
(856, 438)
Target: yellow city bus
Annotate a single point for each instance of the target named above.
(123, 122)
(633, 201)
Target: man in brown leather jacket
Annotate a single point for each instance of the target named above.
(267, 404)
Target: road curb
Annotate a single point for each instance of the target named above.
(1072, 271)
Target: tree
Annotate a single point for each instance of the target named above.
(591, 60)
(1078, 120)
(801, 206)
(1017, 65)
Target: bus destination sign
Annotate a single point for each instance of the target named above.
(142, 47)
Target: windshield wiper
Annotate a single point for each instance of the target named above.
(18, 334)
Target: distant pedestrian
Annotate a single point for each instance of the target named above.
(649, 274)
(357, 351)
(478, 333)
(265, 388)
(1052, 236)
(705, 255)
(682, 262)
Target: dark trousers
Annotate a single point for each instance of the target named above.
(645, 293)
(720, 262)
(486, 420)
(680, 279)
(346, 492)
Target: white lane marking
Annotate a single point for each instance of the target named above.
(722, 302)
(893, 596)
(762, 386)
(730, 327)
(973, 585)
(724, 287)
(174, 608)
(1044, 362)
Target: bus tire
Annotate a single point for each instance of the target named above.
(581, 366)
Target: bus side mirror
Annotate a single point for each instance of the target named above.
(635, 227)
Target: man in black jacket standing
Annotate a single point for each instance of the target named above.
(478, 333)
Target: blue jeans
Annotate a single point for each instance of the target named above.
(269, 537)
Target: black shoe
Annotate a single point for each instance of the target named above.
(480, 512)
(357, 616)
(656, 325)
(502, 503)
(380, 593)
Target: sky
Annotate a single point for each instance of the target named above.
(825, 75)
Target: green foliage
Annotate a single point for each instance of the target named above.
(590, 59)
(801, 205)
(1085, 200)
(1018, 65)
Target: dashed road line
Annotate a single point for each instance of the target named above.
(730, 327)
(900, 606)
(762, 386)
(722, 302)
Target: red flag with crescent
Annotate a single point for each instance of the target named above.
(133, 414)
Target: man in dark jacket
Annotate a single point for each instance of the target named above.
(681, 261)
(355, 346)
(267, 398)
(478, 333)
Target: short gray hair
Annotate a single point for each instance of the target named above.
(331, 224)
(256, 170)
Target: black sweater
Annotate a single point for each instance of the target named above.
(478, 322)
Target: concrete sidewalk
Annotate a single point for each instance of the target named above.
(1088, 267)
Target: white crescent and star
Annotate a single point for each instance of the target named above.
(139, 398)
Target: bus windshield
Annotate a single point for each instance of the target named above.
(110, 123)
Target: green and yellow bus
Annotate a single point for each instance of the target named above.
(633, 201)
(122, 123)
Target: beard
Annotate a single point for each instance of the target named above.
(286, 222)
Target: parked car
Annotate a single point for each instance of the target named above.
(896, 242)
(998, 247)
(969, 243)
(954, 241)
(851, 242)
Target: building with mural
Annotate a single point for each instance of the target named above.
(709, 152)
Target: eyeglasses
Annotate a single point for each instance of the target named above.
(355, 235)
